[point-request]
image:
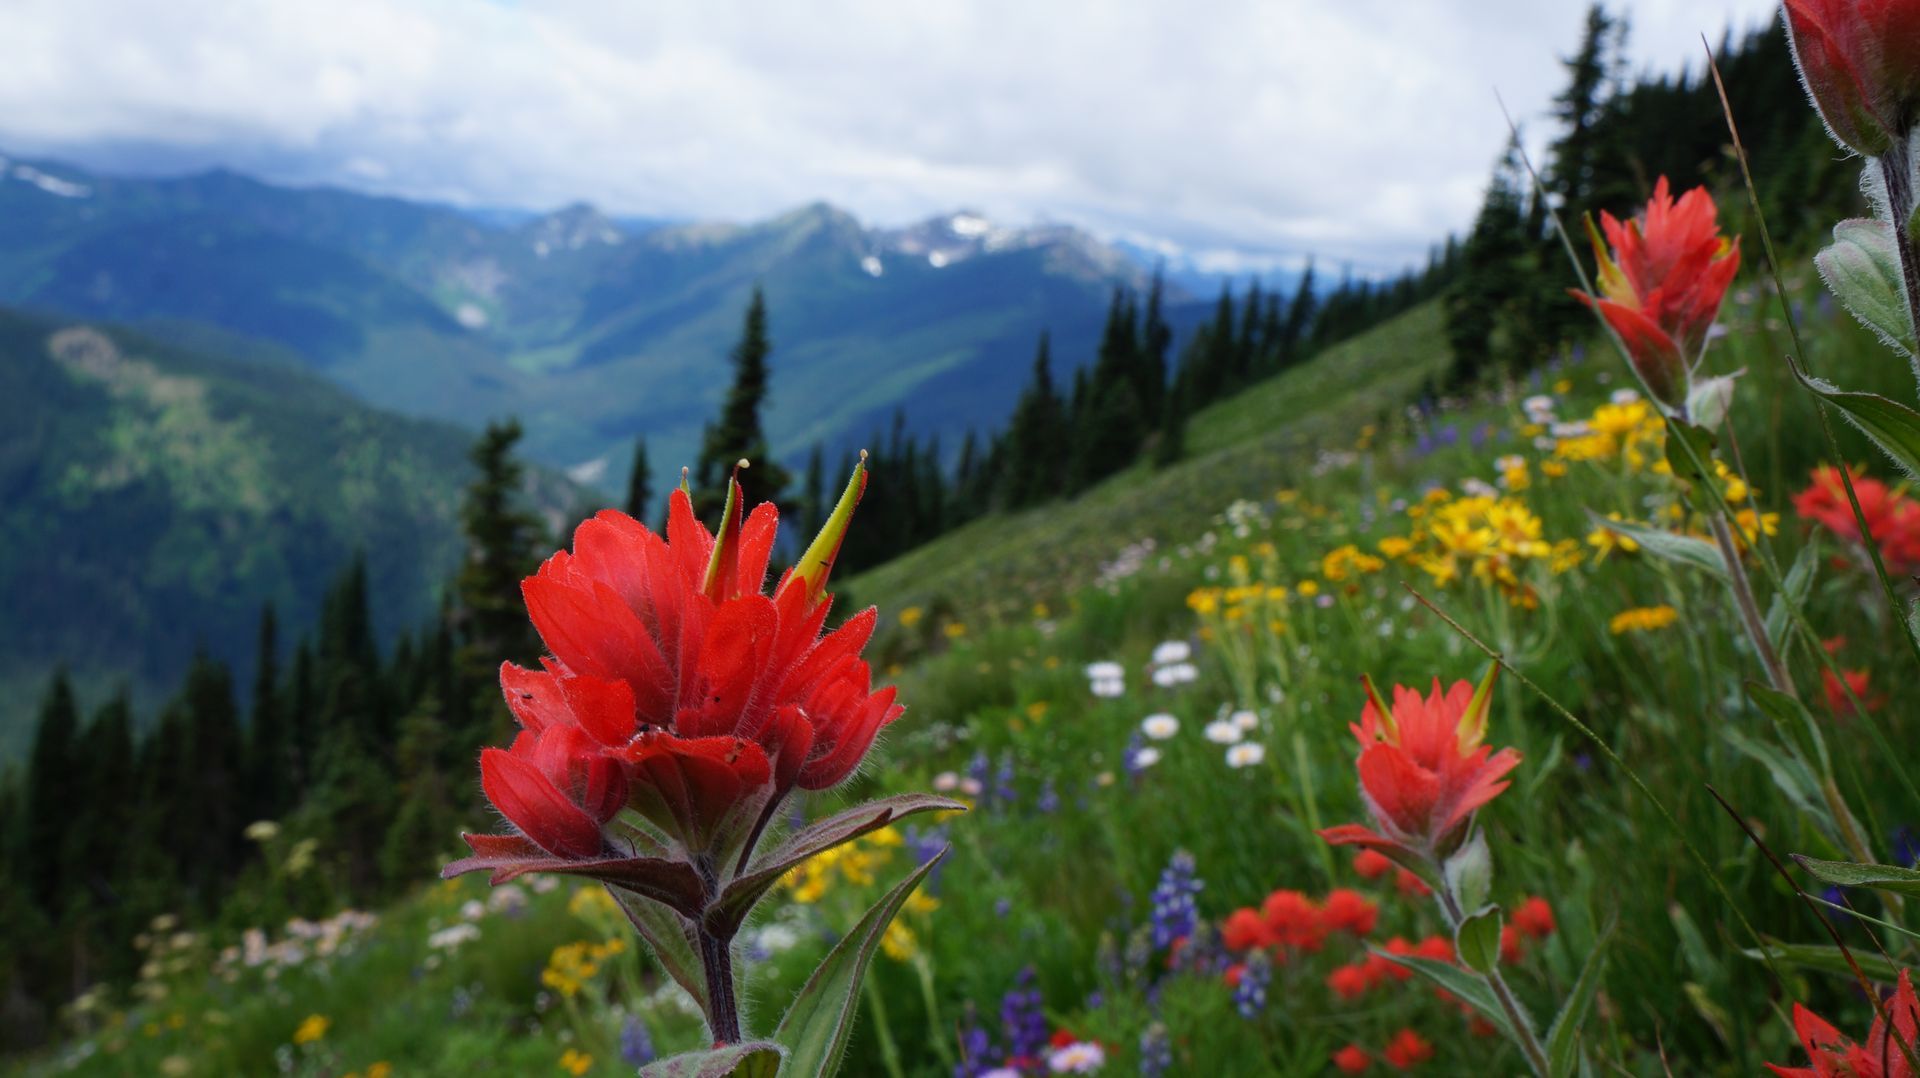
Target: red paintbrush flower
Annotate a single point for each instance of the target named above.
(1834, 1056)
(1661, 285)
(1893, 518)
(1424, 770)
(678, 689)
(1860, 61)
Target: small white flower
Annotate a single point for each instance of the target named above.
(1145, 758)
(970, 786)
(1246, 754)
(1001, 1072)
(1160, 726)
(1224, 732)
(1624, 396)
(1172, 651)
(1108, 688)
(946, 782)
(1476, 487)
(1245, 720)
(1539, 402)
(1510, 462)
(1083, 1057)
(473, 909)
(1175, 674)
(1101, 670)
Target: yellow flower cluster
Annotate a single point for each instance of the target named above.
(1632, 433)
(572, 965)
(1480, 537)
(313, 1028)
(1348, 561)
(1643, 619)
(853, 862)
(575, 1062)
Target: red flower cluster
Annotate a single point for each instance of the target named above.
(1834, 1056)
(1860, 60)
(1893, 518)
(1352, 981)
(1405, 1051)
(1290, 921)
(1424, 769)
(1662, 283)
(676, 688)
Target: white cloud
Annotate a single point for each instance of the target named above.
(1359, 129)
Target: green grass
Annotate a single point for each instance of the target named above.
(1244, 447)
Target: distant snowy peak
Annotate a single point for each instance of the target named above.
(955, 237)
(45, 181)
(571, 229)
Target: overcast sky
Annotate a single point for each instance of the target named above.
(1360, 130)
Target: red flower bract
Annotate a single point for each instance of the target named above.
(677, 688)
(1424, 770)
(1662, 283)
(1860, 61)
(1893, 518)
(1834, 1056)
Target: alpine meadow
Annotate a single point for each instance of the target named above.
(1256, 592)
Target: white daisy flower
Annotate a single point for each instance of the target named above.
(1172, 651)
(1624, 396)
(1175, 674)
(1160, 726)
(1245, 720)
(1145, 758)
(1224, 732)
(1107, 669)
(1246, 754)
(1083, 1057)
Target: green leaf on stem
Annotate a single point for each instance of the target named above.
(1892, 426)
(1795, 724)
(1825, 958)
(672, 939)
(1563, 1039)
(1467, 986)
(1469, 872)
(1665, 545)
(1477, 940)
(748, 1059)
(1686, 435)
(818, 1021)
(1862, 268)
(1900, 881)
(738, 898)
(1795, 588)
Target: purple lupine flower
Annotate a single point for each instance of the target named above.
(1049, 802)
(1838, 898)
(1174, 909)
(1250, 995)
(1096, 999)
(976, 1048)
(1002, 906)
(1023, 1019)
(1156, 1051)
(980, 768)
(1906, 846)
(925, 846)
(636, 1044)
(1003, 780)
(1579, 353)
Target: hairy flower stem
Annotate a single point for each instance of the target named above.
(1896, 172)
(716, 955)
(1517, 1018)
(1778, 675)
(1750, 617)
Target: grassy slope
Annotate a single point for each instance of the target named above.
(1243, 447)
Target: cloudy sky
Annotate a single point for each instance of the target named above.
(1357, 129)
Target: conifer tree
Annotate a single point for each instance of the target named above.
(639, 482)
(813, 494)
(1156, 337)
(502, 549)
(1036, 438)
(1301, 310)
(50, 778)
(737, 435)
(270, 752)
(1172, 442)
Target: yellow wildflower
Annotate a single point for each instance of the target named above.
(910, 616)
(954, 630)
(575, 1062)
(312, 1029)
(1643, 619)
